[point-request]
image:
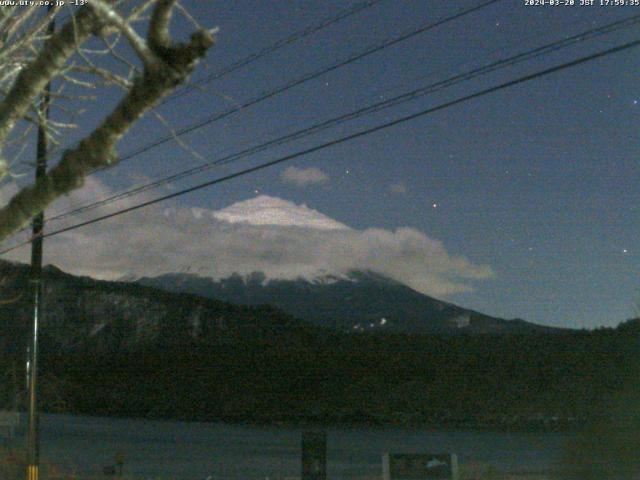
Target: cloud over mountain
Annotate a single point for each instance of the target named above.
(272, 235)
(302, 177)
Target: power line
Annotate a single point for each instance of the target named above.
(308, 77)
(305, 78)
(506, 62)
(344, 139)
(357, 8)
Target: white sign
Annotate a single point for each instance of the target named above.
(419, 466)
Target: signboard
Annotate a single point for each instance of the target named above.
(422, 466)
(314, 455)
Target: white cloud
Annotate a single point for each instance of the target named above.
(267, 234)
(302, 177)
(398, 188)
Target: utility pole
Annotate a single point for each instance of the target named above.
(33, 441)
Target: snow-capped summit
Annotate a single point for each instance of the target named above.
(266, 210)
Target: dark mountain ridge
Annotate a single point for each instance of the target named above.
(81, 313)
(115, 348)
(360, 301)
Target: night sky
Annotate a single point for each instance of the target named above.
(522, 203)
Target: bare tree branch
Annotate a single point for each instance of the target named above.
(138, 44)
(166, 65)
(32, 79)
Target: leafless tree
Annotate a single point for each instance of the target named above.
(30, 58)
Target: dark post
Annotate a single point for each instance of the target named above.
(33, 444)
(119, 458)
(314, 455)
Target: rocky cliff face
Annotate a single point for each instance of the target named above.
(82, 313)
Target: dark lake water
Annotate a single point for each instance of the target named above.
(183, 450)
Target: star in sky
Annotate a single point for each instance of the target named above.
(495, 150)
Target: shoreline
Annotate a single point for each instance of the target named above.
(525, 425)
